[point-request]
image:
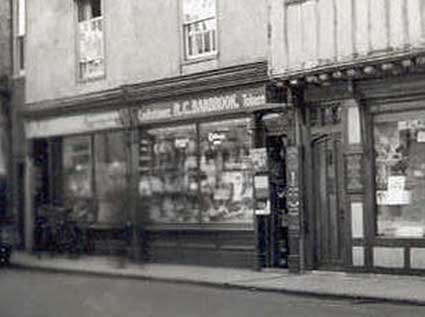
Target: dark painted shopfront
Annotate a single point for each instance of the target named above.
(362, 135)
(196, 162)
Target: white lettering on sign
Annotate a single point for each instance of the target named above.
(216, 137)
(212, 104)
(154, 114)
(197, 106)
(253, 100)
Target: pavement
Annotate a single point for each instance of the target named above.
(356, 286)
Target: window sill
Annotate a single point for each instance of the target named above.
(386, 238)
(201, 227)
(200, 59)
(91, 79)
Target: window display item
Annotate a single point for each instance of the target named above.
(167, 186)
(400, 176)
(77, 164)
(226, 187)
(192, 174)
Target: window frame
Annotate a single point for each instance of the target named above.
(185, 39)
(78, 60)
(19, 37)
(404, 114)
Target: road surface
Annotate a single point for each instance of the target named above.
(40, 294)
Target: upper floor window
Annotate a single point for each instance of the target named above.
(199, 28)
(20, 26)
(91, 62)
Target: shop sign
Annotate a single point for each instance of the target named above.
(73, 124)
(420, 137)
(222, 103)
(181, 143)
(216, 138)
(261, 182)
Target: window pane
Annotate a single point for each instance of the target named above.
(77, 164)
(199, 43)
(168, 182)
(200, 23)
(226, 173)
(190, 45)
(21, 17)
(111, 183)
(21, 52)
(207, 42)
(400, 177)
(198, 9)
(89, 9)
(91, 45)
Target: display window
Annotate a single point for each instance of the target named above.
(77, 165)
(197, 173)
(168, 185)
(111, 157)
(95, 184)
(399, 144)
(225, 168)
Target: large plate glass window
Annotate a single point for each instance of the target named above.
(111, 157)
(400, 174)
(77, 166)
(168, 170)
(199, 28)
(225, 171)
(91, 62)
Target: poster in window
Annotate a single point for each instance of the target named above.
(259, 159)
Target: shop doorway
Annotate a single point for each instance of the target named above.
(328, 200)
(273, 227)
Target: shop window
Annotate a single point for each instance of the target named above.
(112, 192)
(199, 28)
(193, 174)
(225, 168)
(400, 175)
(91, 62)
(168, 185)
(77, 165)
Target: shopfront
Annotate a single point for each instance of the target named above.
(362, 140)
(196, 192)
(81, 163)
(396, 129)
(191, 172)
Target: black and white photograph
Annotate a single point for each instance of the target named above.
(167, 158)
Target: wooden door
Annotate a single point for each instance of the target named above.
(328, 200)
